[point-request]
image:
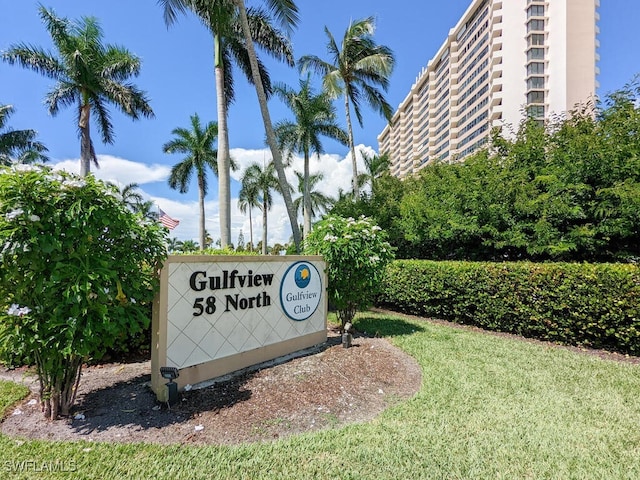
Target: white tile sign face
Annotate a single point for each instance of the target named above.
(220, 309)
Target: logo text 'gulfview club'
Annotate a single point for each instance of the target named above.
(300, 290)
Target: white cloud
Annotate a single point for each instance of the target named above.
(336, 170)
(120, 170)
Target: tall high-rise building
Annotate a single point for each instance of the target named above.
(503, 60)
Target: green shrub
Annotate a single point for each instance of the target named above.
(78, 274)
(356, 252)
(592, 305)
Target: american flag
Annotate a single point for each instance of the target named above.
(167, 221)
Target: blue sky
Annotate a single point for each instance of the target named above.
(177, 74)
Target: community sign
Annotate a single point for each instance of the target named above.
(218, 314)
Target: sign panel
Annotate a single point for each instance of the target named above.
(300, 291)
(217, 314)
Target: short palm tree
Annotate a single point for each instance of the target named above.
(174, 245)
(262, 179)
(315, 116)
(135, 202)
(18, 146)
(222, 19)
(249, 198)
(148, 209)
(189, 246)
(88, 73)
(375, 167)
(318, 201)
(197, 146)
(130, 196)
(358, 68)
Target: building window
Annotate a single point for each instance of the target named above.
(535, 83)
(536, 39)
(535, 11)
(536, 111)
(535, 54)
(535, 97)
(535, 26)
(535, 68)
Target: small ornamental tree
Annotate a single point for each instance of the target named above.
(78, 273)
(356, 252)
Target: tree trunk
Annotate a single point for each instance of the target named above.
(224, 162)
(354, 166)
(306, 199)
(58, 384)
(71, 379)
(250, 229)
(271, 137)
(201, 207)
(264, 227)
(85, 140)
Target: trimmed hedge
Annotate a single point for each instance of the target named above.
(591, 305)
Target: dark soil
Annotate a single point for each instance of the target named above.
(328, 387)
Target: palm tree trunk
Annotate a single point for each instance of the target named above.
(306, 198)
(85, 140)
(354, 180)
(201, 208)
(266, 118)
(264, 228)
(224, 180)
(250, 229)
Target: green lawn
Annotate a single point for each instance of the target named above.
(489, 408)
(10, 393)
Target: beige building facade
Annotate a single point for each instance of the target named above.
(503, 60)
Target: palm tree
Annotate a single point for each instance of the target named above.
(264, 181)
(248, 198)
(286, 12)
(174, 245)
(197, 145)
(18, 146)
(221, 17)
(189, 246)
(317, 200)
(375, 166)
(88, 74)
(357, 68)
(129, 195)
(135, 202)
(314, 116)
(148, 210)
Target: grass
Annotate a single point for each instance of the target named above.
(10, 393)
(489, 408)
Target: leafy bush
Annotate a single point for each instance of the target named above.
(77, 277)
(356, 252)
(594, 305)
(565, 191)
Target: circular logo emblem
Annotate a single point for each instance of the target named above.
(300, 291)
(302, 276)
